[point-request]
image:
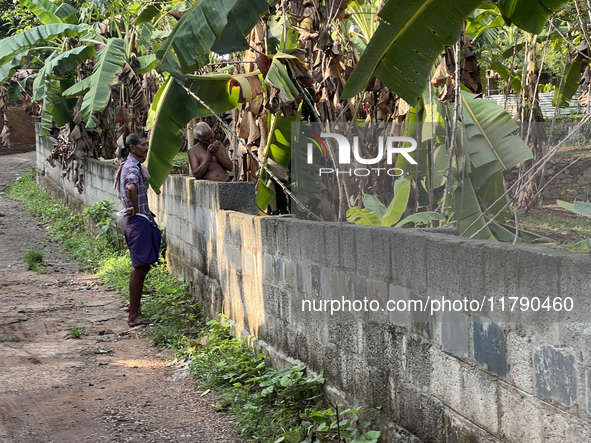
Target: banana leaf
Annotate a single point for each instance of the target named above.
(570, 84)
(60, 64)
(582, 208)
(80, 88)
(529, 15)
(7, 69)
(489, 141)
(148, 13)
(406, 43)
(56, 106)
(10, 46)
(67, 13)
(278, 77)
(372, 203)
(490, 193)
(361, 216)
(467, 206)
(211, 25)
(173, 108)
(398, 204)
(110, 62)
(486, 19)
(278, 149)
(505, 72)
(147, 63)
(420, 217)
(43, 9)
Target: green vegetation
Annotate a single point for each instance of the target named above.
(180, 163)
(557, 223)
(100, 215)
(34, 260)
(62, 223)
(268, 402)
(10, 338)
(77, 332)
(271, 405)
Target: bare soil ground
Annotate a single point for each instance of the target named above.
(110, 385)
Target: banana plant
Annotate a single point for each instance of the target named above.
(376, 213)
(208, 26)
(413, 34)
(569, 85)
(173, 108)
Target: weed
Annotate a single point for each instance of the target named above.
(2, 214)
(282, 405)
(170, 302)
(11, 338)
(34, 260)
(77, 332)
(62, 224)
(269, 403)
(100, 214)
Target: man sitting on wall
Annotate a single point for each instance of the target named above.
(208, 158)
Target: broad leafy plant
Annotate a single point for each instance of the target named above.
(376, 214)
(582, 208)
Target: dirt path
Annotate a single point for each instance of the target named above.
(111, 385)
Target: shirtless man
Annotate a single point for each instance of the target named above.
(208, 158)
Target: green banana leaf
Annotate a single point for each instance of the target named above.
(243, 15)
(7, 69)
(570, 84)
(211, 25)
(276, 38)
(420, 218)
(56, 106)
(505, 72)
(398, 204)
(361, 216)
(506, 233)
(67, 13)
(80, 88)
(10, 46)
(490, 142)
(407, 42)
(149, 12)
(467, 206)
(278, 149)
(110, 62)
(582, 208)
(173, 108)
(372, 203)
(43, 9)
(490, 193)
(60, 64)
(529, 15)
(582, 246)
(278, 77)
(147, 63)
(487, 18)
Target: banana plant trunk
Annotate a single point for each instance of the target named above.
(534, 134)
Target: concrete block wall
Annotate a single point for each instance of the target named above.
(467, 376)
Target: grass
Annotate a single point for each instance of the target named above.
(63, 224)
(10, 338)
(570, 229)
(34, 261)
(77, 332)
(271, 405)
